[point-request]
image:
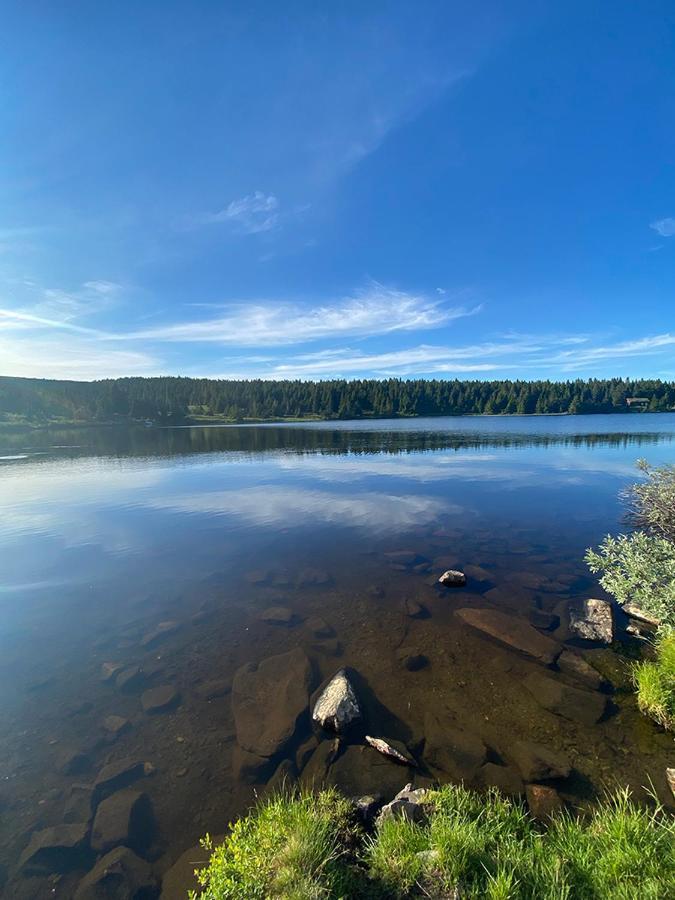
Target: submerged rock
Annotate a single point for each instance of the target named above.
(592, 620)
(125, 817)
(414, 609)
(450, 751)
(452, 578)
(539, 763)
(118, 775)
(130, 679)
(164, 629)
(576, 667)
(210, 690)
(268, 698)
(119, 875)
(337, 707)
(77, 807)
(319, 627)
(411, 658)
(544, 621)
(504, 778)
(115, 724)
(180, 879)
(513, 632)
(160, 699)
(635, 612)
(277, 615)
(571, 703)
(109, 670)
(56, 849)
(543, 801)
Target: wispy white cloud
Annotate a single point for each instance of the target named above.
(646, 346)
(252, 214)
(71, 356)
(376, 311)
(664, 227)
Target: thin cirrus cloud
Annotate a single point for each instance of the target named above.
(377, 311)
(664, 227)
(253, 214)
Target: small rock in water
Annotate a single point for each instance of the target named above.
(130, 679)
(572, 703)
(160, 699)
(118, 775)
(109, 670)
(56, 849)
(512, 631)
(77, 807)
(337, 707)
(164, 629)
(126, 818)
(576, 666)
(452, 578)
(115, 724)
(635, 612)
(544, 621)
(411, 658)
(119, 874)
(414, 609)
(539, 763)
(592, 620)
(543, 801)
(387, 749)
(277, 615)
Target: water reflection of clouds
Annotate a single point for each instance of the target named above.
(274, 505)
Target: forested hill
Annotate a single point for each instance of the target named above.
(184, 399)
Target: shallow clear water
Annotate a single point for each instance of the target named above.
(106, 532)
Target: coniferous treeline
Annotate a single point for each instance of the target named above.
(170, 399)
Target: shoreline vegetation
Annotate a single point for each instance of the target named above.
(198, 401)
(453, 844)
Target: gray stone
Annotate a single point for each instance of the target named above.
(126, 817)
(512, 631)
(450, 751)
(77, 807)
(367, 807)
(635, 612)
(337, 707)
(592, 620)
(160, 699)
(315, 772)
(118, 775)
(56, 849)
(119, 875)
(571, 703)
(359, 770)
(392, 749)
(452, 578)
(407, 804)
(268, 698)
(543, 801)
(576, 667)
(304, 751)
(539, 763)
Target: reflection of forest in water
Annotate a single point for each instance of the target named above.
(113, 441)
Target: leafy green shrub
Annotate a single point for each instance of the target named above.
(478, 845)
(655, 682)
(638, 569)
(653, 500)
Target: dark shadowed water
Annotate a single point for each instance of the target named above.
(105, 533)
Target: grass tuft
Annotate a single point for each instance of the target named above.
(655, 682)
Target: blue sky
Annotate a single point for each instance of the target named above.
(316, 190)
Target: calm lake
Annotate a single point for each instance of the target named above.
(107, 532)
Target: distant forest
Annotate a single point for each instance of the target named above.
(169, 399)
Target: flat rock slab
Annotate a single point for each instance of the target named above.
(539, 763)
(513, 632)
(130, 679)
(592, 620)
(118, 775)
(575, 666)
(277, 615)
(119, 874)
(126, 817)
(337, 707)
(160, 699)
(268, 698)
(161, 631)
(56, 849)
(450, 751)
(115, 724)
(570, 703)
(362, 770)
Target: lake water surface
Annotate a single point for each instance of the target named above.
(107, 532)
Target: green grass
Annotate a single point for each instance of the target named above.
(655, 682)
(483, 846)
